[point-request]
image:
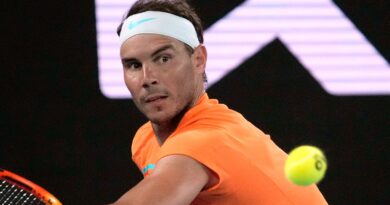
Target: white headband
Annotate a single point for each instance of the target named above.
(156, 22)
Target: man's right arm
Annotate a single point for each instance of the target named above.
(176, 180)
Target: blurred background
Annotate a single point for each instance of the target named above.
(59, 130)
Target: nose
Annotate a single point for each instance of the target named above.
(149, 76)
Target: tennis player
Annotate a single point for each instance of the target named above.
(193, 150)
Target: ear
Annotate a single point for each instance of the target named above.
(200, 59)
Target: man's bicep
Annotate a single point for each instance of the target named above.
(177, 179)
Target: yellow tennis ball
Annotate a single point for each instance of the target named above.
(305, 165)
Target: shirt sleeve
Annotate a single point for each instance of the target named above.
(209, 147)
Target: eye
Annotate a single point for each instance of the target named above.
(133, 65)
(163, 59)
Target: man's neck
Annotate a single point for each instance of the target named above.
(165, 129)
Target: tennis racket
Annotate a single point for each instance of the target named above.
(15, 190)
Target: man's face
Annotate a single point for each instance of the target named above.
(161, 75)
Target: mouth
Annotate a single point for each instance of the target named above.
(155, 98)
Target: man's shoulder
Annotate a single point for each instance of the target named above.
(214, 112)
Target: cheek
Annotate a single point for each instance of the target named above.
(185, 84)
(131, 83)
(179, 81)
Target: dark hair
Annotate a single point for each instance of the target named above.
(177, 7)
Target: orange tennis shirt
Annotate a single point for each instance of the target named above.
(248, 164)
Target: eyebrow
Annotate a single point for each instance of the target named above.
(128, 60)
(161, 49)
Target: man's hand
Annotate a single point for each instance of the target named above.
(176, 180)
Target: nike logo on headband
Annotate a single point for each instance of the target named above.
(132, 25)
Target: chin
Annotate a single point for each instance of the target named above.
(159, 118)
(166, 115)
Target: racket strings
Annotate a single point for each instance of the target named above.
(11, 194)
